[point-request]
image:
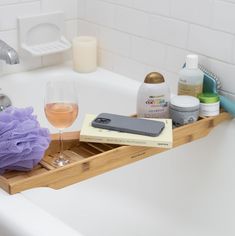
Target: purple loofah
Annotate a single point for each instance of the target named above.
(22, 140)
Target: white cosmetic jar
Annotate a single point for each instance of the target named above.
(184, 109)
(209, 104)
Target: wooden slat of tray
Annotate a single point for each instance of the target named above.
(4, 184)
(91, 159)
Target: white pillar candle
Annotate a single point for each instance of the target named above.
(85, 54)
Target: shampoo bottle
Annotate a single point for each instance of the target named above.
(153, 97)
(191, 78)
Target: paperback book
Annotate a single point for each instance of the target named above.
(97, 135)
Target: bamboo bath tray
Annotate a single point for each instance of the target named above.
(91, 159)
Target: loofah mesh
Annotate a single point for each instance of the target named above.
(22, 140)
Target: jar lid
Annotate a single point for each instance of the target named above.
(208, 97)
(154, 78)
(185, 103)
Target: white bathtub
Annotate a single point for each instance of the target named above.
(186, 191)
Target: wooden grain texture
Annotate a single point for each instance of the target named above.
(91, 159)
(4, 184)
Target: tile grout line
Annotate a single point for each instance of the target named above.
(156, 41)
(169, 17)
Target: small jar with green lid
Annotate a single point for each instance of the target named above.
(209, 104)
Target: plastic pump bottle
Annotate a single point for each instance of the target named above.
(153, 97)
(191, 78)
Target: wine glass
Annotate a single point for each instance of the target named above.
(61, 109)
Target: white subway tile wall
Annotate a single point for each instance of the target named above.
(114, 41)
(10, 10)
(168, 31)
(160, 33)
(9, 13)
(148, 52)
(69, 7)
(131, 21)
(224, 19)
(130, 68)
(197, 11)
(105, 59)
(138, 36)
(100, 12)
(6, 2)
(212, 43)
(153, 6)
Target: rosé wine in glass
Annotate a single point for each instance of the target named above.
(61, 110)
(61, 115)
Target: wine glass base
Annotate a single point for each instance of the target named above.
(60, 162)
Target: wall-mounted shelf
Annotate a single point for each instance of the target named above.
(91, 159)
(43, 34)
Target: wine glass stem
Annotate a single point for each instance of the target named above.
(61, 145)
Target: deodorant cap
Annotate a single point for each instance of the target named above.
(154, 78)
(192, 61)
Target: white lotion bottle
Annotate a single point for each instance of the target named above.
(190, 78)
(153, 97)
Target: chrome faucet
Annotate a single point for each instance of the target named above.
(4, 102)
(8, 54)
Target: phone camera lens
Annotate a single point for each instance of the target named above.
(99, 120)
(102, 120)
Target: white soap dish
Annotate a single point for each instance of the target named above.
(47, 48)
(43, 34)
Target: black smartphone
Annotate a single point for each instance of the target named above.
(128, 124)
